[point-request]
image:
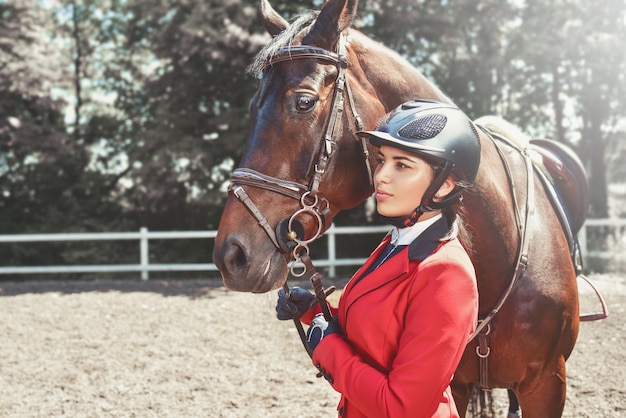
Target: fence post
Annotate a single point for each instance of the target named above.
(582, 241)
(144, 253)
(332, 256)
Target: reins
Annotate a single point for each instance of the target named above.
(521, 262)
(483, 331)
(320, 297)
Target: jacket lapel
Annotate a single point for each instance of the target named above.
(429, 240)
(396, 266)
(390, 270)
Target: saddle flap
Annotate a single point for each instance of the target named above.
(567, 175)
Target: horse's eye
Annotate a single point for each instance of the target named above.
(305, 103)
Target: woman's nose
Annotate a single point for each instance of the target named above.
(381, 174)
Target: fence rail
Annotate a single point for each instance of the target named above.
(144, 236)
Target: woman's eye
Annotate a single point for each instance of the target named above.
(305, 103)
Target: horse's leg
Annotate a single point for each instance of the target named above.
(514, 411)
(461, 394)
(547, 398)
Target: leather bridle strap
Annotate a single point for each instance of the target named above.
(291, 53)
(241, 194)
(320, 297)
(329, 144)
(362, 139)
(246, 176)
(253, 178)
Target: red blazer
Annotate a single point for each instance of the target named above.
(406, 325)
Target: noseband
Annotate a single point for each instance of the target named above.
(311, 203)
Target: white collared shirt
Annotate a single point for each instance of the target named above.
(405, 236)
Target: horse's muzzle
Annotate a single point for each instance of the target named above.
(243, 273)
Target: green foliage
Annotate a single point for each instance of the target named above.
(117, 114)
(554, 68)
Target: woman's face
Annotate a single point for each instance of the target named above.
(400, 180)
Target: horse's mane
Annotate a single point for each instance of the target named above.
(282, 40)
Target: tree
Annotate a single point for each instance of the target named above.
(554, 68)
(32, 133)
(45, 183)
(143, 104)
(575, 49)
(180, 92)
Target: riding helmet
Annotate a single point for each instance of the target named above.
(432, 130)
(428, 128)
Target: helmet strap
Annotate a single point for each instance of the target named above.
(428, 204)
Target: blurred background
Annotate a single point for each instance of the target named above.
(121, 114)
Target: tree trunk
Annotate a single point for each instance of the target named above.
(595, 110)
(77, 69)
(558, 105)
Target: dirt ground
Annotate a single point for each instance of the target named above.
(194, 349)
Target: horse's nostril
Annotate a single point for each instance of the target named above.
(235, 257)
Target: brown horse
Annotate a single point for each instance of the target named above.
(321, 82)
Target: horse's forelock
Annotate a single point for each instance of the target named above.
(282, 40)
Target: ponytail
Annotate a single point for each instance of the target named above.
(457, 229)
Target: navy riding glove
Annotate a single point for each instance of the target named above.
(296, 305)
(319, 329)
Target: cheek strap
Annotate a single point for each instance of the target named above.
(428, 204)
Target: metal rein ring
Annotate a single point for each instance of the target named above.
(318, 218)
(298, 261)
(311, 209)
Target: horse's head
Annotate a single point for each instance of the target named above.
(321, 82)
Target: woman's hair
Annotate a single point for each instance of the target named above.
(458, 228)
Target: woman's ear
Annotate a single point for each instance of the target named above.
(446, 188)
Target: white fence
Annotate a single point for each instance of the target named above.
(145, 267)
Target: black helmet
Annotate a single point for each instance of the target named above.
(436, 130)
(433, 129)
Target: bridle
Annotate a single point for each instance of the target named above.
(287, 236)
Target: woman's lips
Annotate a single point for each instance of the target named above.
(381, 195)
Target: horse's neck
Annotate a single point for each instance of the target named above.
(392, 77)
(391, 80)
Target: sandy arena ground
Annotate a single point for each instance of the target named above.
(194, 349)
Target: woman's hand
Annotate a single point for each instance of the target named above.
(321, 328)
(294, 306)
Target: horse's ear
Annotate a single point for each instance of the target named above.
(273, 22)
(335, 16)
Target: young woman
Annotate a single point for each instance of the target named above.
(405, 317)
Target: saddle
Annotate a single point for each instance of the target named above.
(566, 184)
